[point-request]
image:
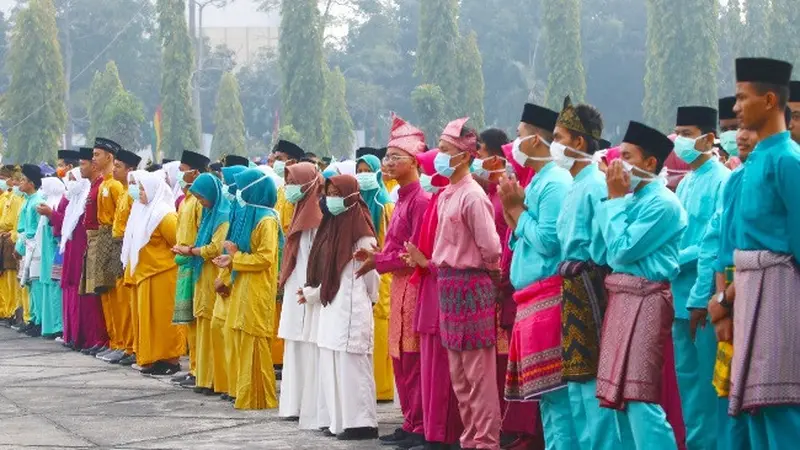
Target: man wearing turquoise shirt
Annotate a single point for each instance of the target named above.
(583, 270)
(532, 215)
(642, 232)
(765, 369)
(26, 231)
(794, 106)
(700, 193)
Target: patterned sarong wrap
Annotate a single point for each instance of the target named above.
(766, 313)
(467, 309)
(102, 265)
(638, 321)
(403, 298)
(583, 305)
(534, 356)
(8, 259)
(184, 292)
(722, 365)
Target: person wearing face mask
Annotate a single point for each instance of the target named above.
(10, 205)
(49, 267)
(375, 195)
(794, 107)
(405, 143)
(345, 332)
(26, 245)
(700, 193)
(583, 269)
(642, 233)
(67, 160)
(299, 323)
(249, 277)
(532, 215)
(728, 125)
(190, 213)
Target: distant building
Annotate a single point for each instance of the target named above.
(241, 27)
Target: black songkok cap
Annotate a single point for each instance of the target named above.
(763, 70)
(363, 151)
(293, 150)
(650, 139)
(129, 158)
(68, 155)
(153, 167)
(236, 160)
(794, 91)
(194, 160)
(217, 166)
(726, 108)
(166, 161)
(85, 153)
(699, 116)
(107, 145)
(33, 173)
(539, 117)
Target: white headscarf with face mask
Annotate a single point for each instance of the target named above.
(346, 167)
(77, 194)
(173, 171)
(53, 191)
(279, 182)
(145, 218)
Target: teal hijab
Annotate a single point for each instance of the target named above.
(260, 194)
(209, 187)
(228, 174)
(375, 198)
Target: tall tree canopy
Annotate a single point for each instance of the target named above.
(34, 102)
(228, 120)
(562, 22)
(471, 74)
(337, 117)
(438, 48)
(429, 104)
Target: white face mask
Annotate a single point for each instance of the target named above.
(559, 153)
(521, 158)
(637, 179)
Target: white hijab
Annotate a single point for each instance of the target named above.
(77, 194)
(145, 218)
(270, 172)
(52, 190)
(173, 171)
(346, 167)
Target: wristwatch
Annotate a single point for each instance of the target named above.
(724, 301)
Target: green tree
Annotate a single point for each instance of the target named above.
(471, 94)
(756, 34)
(216, 63)
(228, 120)
(785, 32)
(179, 124)
(682, 58)
(564, 59)
(337, 116)
(437, 56)
(302, 70)
(259, 83)
(731, 40)
(288, 133)
(104, 86)
(429, 104)
(124, 120)
(34, 102)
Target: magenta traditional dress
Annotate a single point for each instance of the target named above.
(403, 340)
(84, 325)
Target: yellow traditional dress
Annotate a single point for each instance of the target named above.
(189, 215)
(10, 292)
(285, 210)
(384, 372)
(116, 305)
(125, 295)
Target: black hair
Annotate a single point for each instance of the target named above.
(153, 167)
(704, 130)
(787, 114)
(310, 155)
(781, 91)
(308, 159)
(71, 162)
(659, 162)
(495, 139)
(546, 134)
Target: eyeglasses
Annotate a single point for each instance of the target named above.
(394, 159)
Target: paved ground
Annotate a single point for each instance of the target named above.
(53, 398)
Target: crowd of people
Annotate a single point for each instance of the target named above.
(547, 292)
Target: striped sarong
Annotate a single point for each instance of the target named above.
(583, 304)
(766, 313)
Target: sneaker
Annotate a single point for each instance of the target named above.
(103, 354)
(179, 377)
(162, 368)
(97, 350)
(358, 434)
(188, 382)
(116, 357)
(136, 367)
(127, 360)
(60, 340)
(391, 439)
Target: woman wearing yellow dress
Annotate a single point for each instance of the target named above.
(252, 256)
(375, 195)
(214, 225)
(150, 268)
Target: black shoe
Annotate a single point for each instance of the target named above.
(189, 382)
(117, 357)
(392, 439)
(278, 374)
(327, 432)
(291, 419)
(34, 331)
(162, 368)
(128, 360)
(358, 434)
(204, 391)
(89, 350)
(232, 399)
(412, 440)
(225, 397)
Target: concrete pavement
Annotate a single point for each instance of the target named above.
(53, 398)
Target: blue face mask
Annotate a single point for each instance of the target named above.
(279, 167)
(294, 193)
(477, 168)
(16, 190)
(335, 205)
(331, 172)
(685, 149)
(442, 164)
(728, 142)
(367, 181)
(133, 190)
(425, 182)
(3, 185)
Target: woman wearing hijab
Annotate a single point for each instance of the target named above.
(10, 204)
(46, 251)
(345, 337)
(298, 323)
(214, 225)
(252, 258)
(381, 206)
(150, 268)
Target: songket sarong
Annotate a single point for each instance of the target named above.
(8, 259)
(184, 292)
(534, 356)
(635, 327)
(402, 337)
(102, 265)
(722, 365)
(583, 305)
(467, 311)
(766, 313)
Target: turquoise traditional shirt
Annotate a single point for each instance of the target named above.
(643, 232)
(534, 242)
(769, 218)
(731, 198)
(28, 219)
(700, 193)
(578, 233)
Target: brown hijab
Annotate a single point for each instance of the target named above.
(307, 214)
(333, 245)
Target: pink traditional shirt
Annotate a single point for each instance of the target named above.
(403, 227)
(466, 237)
